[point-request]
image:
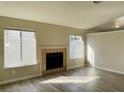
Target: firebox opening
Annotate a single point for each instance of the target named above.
(54, 60)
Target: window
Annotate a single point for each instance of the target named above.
(19, 48)
(76, 47)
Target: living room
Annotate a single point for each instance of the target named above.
(61, 46)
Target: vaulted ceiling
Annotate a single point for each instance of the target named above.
(77, 14)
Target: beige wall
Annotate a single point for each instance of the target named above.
(48, 35)
(106, 50)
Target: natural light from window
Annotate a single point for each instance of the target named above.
(71, 79)
(76, 47)
(19, 48)
(90, 55)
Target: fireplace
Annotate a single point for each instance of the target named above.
(53, 60)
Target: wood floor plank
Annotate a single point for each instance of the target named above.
(81, 79)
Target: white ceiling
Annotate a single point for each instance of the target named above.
(78, 14)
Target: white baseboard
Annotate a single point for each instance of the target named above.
(72, 67)
(18, 79)
(110, 70)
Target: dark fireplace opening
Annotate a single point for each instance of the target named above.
(54, 60)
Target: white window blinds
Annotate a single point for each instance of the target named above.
(76, 47)
(19, 48)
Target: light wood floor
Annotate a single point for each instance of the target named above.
(80, 79)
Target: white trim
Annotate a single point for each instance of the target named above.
(18, 79)
(72, 67)
(110, 70)
(115, 31)
(20, 65)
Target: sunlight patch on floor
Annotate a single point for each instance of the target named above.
(71, 79)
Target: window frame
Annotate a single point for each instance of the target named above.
(20, 30)
(76, 36)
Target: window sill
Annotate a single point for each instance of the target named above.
(76, 58)
(18, 66)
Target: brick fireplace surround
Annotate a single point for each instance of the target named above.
(53, 50)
